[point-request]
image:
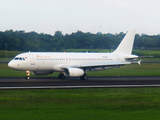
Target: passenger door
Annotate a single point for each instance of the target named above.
(32, 59)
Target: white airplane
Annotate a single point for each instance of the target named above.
(75, 64)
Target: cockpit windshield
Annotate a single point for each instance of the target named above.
(19, 58)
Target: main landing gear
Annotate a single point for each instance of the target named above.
(61, 76)
(28, 74)
(84, 77)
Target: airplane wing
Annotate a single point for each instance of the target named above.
(95, 65)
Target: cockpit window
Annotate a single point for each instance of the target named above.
(16, 58)
(19, 58)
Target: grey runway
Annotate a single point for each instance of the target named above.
(92, 82)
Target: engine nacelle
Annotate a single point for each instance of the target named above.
(42, 72)
(73, 72)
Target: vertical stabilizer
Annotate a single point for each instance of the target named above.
(126, 44)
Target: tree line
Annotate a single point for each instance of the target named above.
(23, 41)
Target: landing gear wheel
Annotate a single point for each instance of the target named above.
(27, 77)
(84, 77)
(61, 76)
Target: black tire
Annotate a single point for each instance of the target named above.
(84, 77)
(61, 76)
(81, 77)
(27, 77)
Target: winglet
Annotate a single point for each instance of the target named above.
(139, 62)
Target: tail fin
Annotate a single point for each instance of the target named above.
(126, 44)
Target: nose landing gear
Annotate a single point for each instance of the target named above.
(28, 74)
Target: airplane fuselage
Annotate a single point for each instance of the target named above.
(52, 61)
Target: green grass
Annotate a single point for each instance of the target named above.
(150, 59)
(6, 59)
(71, 104)
(154, 53)
(10, 54)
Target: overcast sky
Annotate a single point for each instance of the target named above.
(48, 16)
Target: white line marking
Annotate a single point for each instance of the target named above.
(90, 86)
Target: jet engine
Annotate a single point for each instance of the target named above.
(73, 72)
(42, 72)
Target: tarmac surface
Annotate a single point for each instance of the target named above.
(92, 82)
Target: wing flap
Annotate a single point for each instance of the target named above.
(104, 64)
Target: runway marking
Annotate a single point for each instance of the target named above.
(89, 86)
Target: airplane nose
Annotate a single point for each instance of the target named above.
(11, 64)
